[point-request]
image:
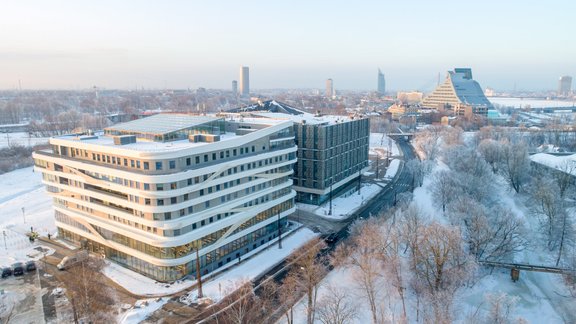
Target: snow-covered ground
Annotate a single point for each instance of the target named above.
(345, 205)
(380, 143)
(539, 297)
(533, 103)
(23, 204)
(21, 138)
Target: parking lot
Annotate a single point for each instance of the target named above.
(23, 295)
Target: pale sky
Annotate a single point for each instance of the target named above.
(127, 44)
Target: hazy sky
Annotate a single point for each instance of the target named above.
(290, 44)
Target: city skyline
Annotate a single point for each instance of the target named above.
(62, 45)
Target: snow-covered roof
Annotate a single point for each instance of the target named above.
(559, 162)
(272, 106)
(162, 123)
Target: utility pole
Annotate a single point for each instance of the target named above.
(24, 214)
(4, 234)
(279, 231)
(198, 275)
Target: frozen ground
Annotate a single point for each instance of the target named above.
(379, 143)
(21, 139)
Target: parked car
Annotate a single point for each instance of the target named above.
(30, 266)
(6, 272)
(18, 268)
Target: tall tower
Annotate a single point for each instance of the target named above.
(381, 83)
(329, 88)
(234, 87)
(564, 85)
(244, 81)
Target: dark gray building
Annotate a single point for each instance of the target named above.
(332, 150)
(331, 153)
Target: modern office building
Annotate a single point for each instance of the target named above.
(234, 87)
(329, 88)
(151, 193)
(244, 81)
(332, 150)
(381, 83)
(459, 88)
(564, 85)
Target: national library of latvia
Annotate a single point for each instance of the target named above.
(153, 193)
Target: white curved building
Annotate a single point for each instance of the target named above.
(150, 192)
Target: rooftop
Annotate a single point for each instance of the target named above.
(162, 124)
(272, 106)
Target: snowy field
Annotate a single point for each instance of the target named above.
(533, 103)
(22, 139)
(23, 204)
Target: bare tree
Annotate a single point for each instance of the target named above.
(418, 170)
(547, 202)
(337, 307)
(501, 308)
(441, 267)
(490, 150)
(564, 176)
(242, 308)
(310, 269)
(289, 295)
(443, 188)
(367, 267)
(91, 299)
(515, 164)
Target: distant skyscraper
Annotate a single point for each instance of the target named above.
(234, 87)
(244, 81)
(564, 85)
(329, 88)
(381, 83)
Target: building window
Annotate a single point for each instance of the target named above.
(188, 161)
(158, 165)
(197, 159)
(146, 165)
(160, 202)
(146, 186)
(167, 215)
(173, 200)
(172, 164)
(159, 187)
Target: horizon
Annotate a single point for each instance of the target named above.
(179, 45)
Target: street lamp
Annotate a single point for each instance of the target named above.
(279, 231)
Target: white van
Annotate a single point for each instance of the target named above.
(69, 261)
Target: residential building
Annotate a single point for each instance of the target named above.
(565, 85)
(234, 87)
(152, 193)
(332, 150)
(381, 83)
(244, 81)
(458, 88)
(329, 88)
